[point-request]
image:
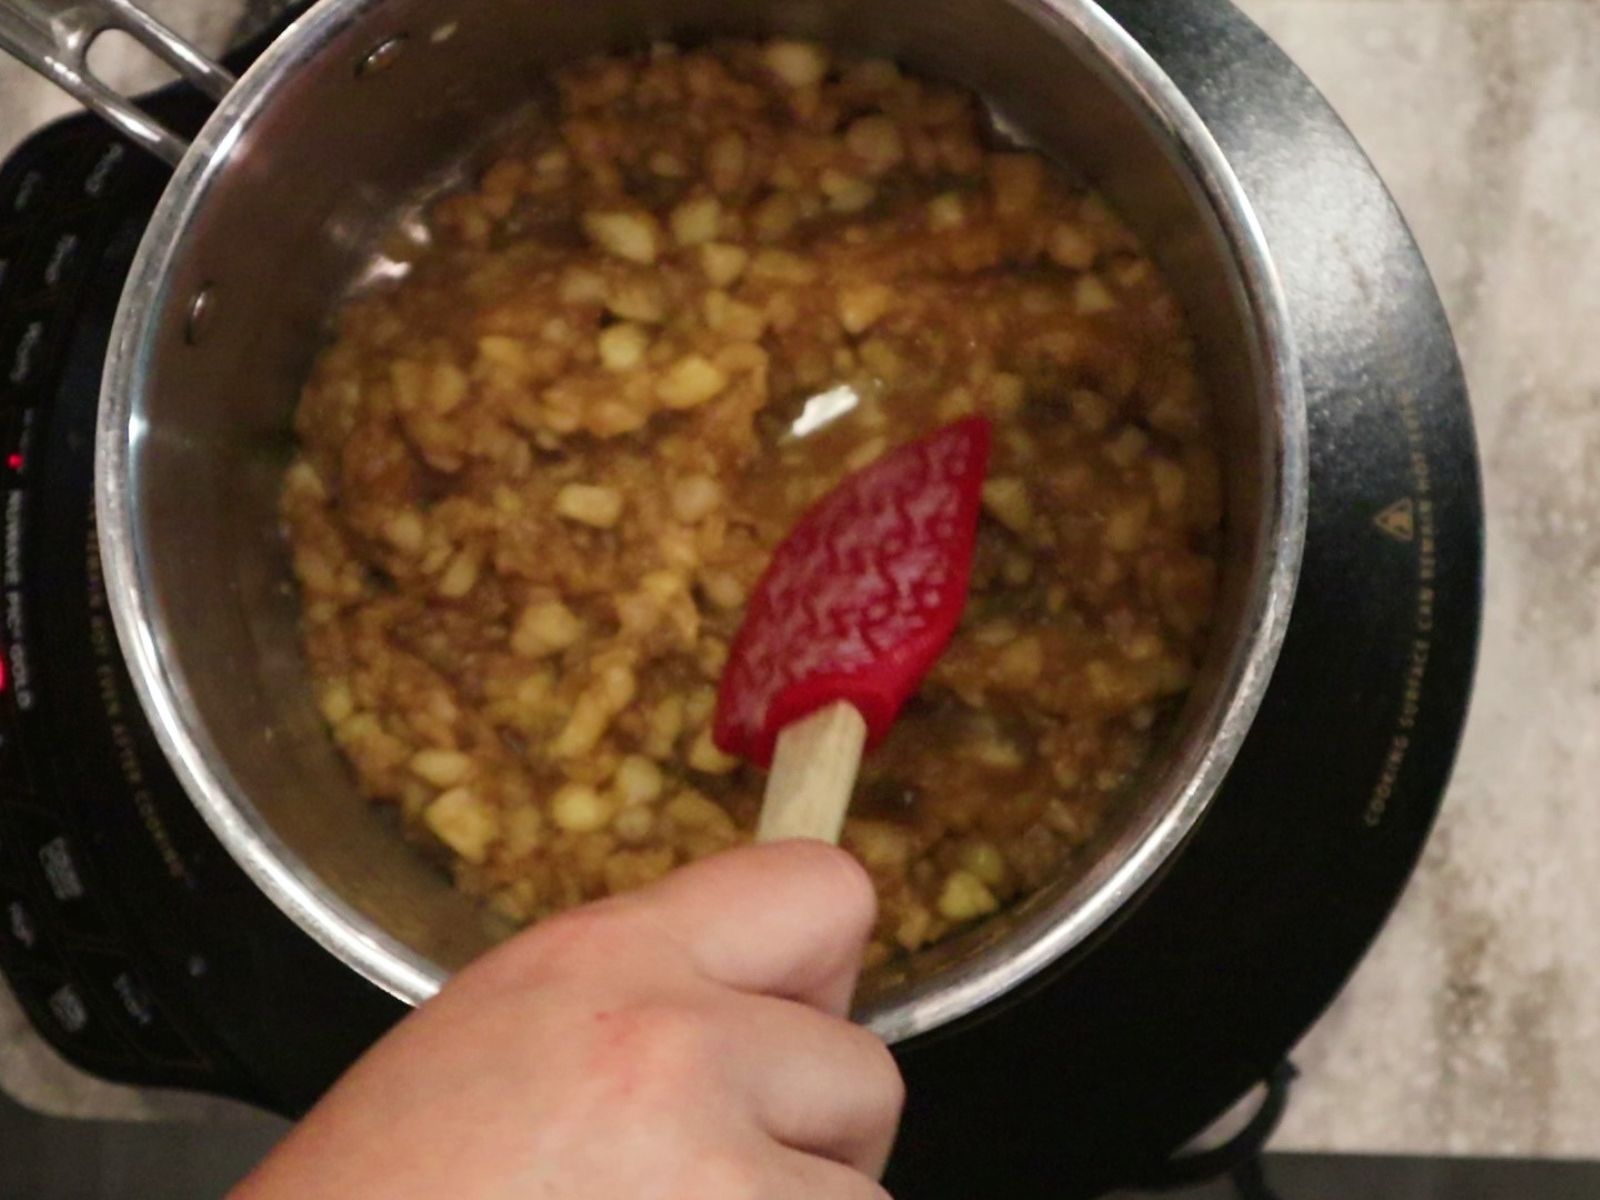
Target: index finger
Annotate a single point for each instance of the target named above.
(788, 919)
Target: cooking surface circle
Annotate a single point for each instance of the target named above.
(122, 917)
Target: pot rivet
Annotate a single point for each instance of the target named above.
(201, 309)
(382, 56)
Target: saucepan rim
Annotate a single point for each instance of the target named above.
(356, 938)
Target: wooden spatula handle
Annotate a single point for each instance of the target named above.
(813, 773)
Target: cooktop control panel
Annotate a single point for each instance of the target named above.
(136, 946)
(62, 941)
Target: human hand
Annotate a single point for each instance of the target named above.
(688, 1041)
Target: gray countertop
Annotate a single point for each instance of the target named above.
(1471, 1028)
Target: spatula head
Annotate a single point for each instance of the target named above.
(861, 597)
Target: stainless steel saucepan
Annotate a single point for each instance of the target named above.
(352, 115)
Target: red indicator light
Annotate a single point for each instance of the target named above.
(14, 461)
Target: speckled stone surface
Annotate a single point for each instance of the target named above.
(1472, 1028)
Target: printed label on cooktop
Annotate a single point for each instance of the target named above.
(61, 870)
(16, 624)
(68, 1008)
(25, 354)
(20, 922)
(1410, 522)
(109, 680)
(104, 170)
(1399, 520)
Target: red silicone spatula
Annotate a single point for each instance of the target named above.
(857, 604)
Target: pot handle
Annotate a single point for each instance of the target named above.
(53, 37)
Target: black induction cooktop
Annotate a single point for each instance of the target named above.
(143, 954)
